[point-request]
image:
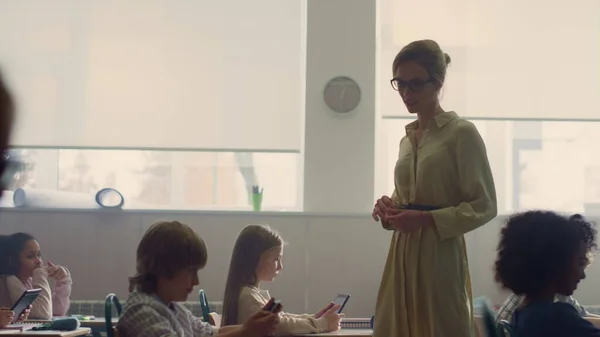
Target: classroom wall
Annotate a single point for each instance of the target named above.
(325, 254)
(339, 151)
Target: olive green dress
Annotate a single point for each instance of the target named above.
(425, 289)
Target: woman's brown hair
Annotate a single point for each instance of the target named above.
(427, 54)
(251, 243)
(166, 248)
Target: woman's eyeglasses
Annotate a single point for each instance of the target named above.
(414, 85)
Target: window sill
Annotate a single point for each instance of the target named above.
(201, 212)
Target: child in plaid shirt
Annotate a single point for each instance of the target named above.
(513, 302)
(168, 260)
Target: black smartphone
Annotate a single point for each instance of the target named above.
(274, 306)
(341, 300)
(26, 299)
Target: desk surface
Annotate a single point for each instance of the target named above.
(89, 323)
(74, 333)
(342, 333)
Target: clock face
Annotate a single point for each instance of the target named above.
(342, 94)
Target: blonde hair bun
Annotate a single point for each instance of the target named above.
(429, 55)
(447, 58)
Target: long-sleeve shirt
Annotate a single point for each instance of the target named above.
(145, 315)
(50, 302)
(253, 299)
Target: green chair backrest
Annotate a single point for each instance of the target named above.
(203, 305)
(488, 316)
(108, 310)
(505, 329)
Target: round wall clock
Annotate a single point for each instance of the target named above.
(342, 94)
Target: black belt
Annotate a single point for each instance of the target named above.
(416, 207)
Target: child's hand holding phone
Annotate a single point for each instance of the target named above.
(273, 306)
(25, 314)
(321, 312)
(264, 322)
(332, 317)
(6, 317)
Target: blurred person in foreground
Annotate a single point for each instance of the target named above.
(7, 112)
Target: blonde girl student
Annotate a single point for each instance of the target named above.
(169, 257)
(257, 258)
(22, 268)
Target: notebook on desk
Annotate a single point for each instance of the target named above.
(355, 323)
(48, 333)
(22, 326)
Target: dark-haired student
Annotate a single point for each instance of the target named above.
(22, 268)
(542, 255)
(6, 122)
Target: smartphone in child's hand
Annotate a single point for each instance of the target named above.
(273, 306)
(340, 300)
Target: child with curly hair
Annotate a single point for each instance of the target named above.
(541, 255)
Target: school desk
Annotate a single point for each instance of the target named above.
(342, 333)
(84, 323)
(47, 333)
(369, 333)
(98, 325)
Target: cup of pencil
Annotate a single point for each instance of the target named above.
(257, 198)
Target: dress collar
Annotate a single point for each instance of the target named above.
(438, 121)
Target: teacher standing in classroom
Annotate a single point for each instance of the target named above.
(443, 189)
